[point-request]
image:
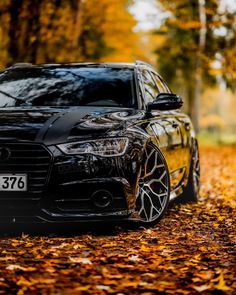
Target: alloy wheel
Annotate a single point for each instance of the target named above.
(153, 185)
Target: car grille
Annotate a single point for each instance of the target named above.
(29, 158)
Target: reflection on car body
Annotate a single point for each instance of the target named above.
(93, 142)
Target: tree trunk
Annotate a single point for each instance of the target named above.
(13, 48)
(198, 77)
(24, 31)
(76, 10)
(33, 28)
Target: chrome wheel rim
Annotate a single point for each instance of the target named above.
(153, 186)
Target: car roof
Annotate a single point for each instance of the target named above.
(78, 64)
(72, 65)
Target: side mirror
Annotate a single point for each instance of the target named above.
(166, 101)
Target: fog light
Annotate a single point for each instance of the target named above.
(102, 199)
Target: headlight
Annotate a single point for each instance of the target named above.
(101, 147)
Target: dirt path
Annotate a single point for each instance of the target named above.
(191, 250)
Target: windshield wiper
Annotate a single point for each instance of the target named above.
(11, 96)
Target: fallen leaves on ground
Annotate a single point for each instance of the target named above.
(190, 251)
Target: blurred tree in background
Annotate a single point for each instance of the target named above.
(194, 45)
(65, 31)
(107, 31)
(38, 31)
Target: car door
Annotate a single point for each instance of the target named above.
(180, 145)
(165, 125)
(183, 125)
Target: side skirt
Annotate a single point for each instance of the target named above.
(176, 192)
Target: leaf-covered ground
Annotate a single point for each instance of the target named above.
(191, 251)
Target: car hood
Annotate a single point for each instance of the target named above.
(52, 125)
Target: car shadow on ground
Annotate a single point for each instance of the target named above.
(66, 229)
(71, 229)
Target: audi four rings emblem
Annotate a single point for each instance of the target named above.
(4, 154)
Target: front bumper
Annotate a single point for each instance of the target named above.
(77, 201)
(74, 189)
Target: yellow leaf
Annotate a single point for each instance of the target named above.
(82, 288)
(144, 248)
(201, 288)
(221, 284)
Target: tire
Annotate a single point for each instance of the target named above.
(191, 191)
(153, 187)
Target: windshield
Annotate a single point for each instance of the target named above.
(69, 86)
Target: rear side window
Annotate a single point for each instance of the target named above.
(150, 88)
(161, 84)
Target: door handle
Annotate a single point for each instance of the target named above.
(175, 125)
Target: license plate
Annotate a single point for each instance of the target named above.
(13, 182)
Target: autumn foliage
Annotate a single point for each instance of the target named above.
(193, 46)
(191, 250)
(66, 31)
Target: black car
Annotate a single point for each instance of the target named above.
(92, 142)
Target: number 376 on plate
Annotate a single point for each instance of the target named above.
(13, 182)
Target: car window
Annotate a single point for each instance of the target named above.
(68, 86)
(161, 87)
(150, 88)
